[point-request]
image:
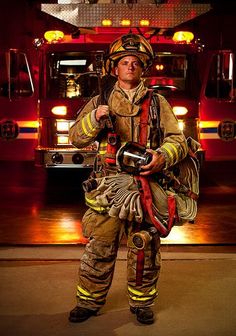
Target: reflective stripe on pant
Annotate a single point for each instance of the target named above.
(145, 292)
(98, 262)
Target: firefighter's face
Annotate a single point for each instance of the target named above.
(129, 70)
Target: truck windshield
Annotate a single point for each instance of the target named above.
(221, 80)
(15, 75)
(72, 75)
(167, 73)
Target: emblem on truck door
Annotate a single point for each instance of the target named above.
(227, 130)
(9, 129)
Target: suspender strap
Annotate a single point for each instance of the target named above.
(144, 118)
(143, 141)
(146, 194)
(145, 190)
(140, 267)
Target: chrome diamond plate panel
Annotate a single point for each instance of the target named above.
(167, 15)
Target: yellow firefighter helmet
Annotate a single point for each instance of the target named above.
(130, 44)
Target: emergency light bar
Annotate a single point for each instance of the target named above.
(126, 23)
(106, 23)
(144, 23)
(183, 37)
(168, 15)
(53, 36)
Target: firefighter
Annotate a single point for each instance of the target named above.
(129, 57)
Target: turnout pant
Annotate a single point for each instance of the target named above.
(97, 264)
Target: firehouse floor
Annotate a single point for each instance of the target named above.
(197, 291)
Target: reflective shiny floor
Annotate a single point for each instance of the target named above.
(39, 207)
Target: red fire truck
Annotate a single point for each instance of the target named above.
(70, 73)
(71, 68)
(18, 116)
(218, 106)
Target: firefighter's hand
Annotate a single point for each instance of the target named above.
(102, 112)
(155, 166)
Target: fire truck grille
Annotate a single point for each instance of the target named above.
(68, 159)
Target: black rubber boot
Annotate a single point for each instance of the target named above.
(143, 314)
(80, 314)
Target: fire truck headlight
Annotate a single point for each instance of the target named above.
(181, 124)
(180, 110)
(62, 126)
(62, 140)
(59, 110)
